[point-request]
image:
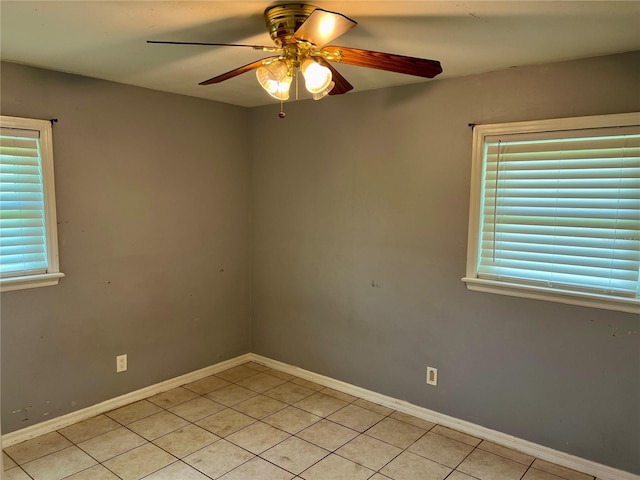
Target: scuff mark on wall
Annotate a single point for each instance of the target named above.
(26, 412)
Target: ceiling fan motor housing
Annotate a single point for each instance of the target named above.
(283, 21)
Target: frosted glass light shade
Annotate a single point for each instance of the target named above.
(323, 93)
(275, 79)
(317, 78)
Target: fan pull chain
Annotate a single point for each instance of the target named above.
(282, 114)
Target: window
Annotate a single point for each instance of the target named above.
(28, 236)
(555, 211)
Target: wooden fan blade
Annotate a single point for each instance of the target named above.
(323, 26)
(255, 47)
(420, 67)
(342, 85)
(234, 73)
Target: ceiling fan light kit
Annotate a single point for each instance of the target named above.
(300, 32)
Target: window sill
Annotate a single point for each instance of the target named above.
(629, 305)
(31, 281)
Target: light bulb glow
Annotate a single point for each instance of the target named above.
(317, 78)
(327, 25)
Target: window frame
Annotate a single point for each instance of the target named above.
(53, 274)
(476, 202)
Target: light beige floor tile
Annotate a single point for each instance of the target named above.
(356, 418)
(172, 397)
(294, 455)
(261, 382)
(7, 462)
(396, 433)
(334, 467)
(459, 476)
(97, 472)
(133, 412)
(260, 406)
(186, 440)
(225, 422)
(197, 409)
(533, 474)
(320, 404)
(231, 394)
(307, 384)
(418, 422)
(444, 450)
(408, 466)
(327, 434)
(562, 472)
(90, 428)
(291, 419)
(177, 471)
(257, 469)
(257, 437)
(139, 462)
(382, 410)
(368, 451)
(456, 435)
(236, 374)
(37, 447)
(206, 385)
(111, 444)
(506, 452)
(379, 476)
(59, 465)
(279, 374)
(15, 473)
(157, 425)
(218, 458)
(339, 395)
(289, 392)
(487, 466)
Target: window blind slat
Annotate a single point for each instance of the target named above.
(570, 250)
(551, 223)
(626, 248)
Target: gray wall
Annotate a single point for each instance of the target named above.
(152, 203)
(360, 236)
(360, 208)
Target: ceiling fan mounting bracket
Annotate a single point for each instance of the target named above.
(283, 21)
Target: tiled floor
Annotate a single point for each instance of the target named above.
(254, 423)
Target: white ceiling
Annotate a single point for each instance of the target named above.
(107, 39)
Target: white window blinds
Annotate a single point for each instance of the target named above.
(555, 211)
(23, 245)
(28, 228)
(563, 212)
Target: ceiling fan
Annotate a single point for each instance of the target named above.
(300, 33)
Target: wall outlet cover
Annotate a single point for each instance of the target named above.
(432, 376)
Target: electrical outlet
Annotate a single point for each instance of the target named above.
(432, 376)
(121, 363)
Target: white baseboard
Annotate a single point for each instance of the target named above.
(108, 405)
(602, 472)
